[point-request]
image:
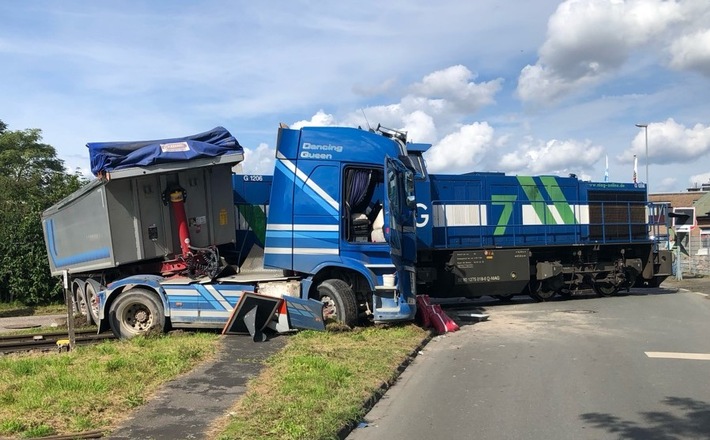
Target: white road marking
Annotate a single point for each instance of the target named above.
(671, 355)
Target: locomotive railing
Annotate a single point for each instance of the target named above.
(539, 223)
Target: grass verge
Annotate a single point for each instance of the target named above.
(17, 309)
(91, 387)
(319, 383)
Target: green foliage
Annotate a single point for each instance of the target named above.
(32, 179)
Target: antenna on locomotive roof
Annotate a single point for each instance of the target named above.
(366, 121)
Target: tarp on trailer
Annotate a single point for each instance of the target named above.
(110, 156)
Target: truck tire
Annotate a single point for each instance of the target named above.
(339, 302)
(136, 312)
(92, 289)
(80, 306)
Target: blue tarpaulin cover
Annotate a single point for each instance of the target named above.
(110, 156)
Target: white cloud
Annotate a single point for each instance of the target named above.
(552, 157)
(455, 87)
(259, 160)
(587, 40)
(461, 151)
(320, 119)
(420, 127)
(670, 142)
(692, 52)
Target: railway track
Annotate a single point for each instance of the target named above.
(49, 341)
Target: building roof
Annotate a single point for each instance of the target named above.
(679, 199)
(702, 206)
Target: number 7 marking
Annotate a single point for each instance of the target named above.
(507, 201)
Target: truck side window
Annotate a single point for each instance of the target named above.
(364, 192)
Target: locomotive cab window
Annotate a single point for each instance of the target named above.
(364, 201)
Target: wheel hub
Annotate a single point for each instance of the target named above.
(329, 310)
(138, 317)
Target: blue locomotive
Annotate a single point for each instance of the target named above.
(492, 234)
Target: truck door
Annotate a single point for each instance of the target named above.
(393, 210)
(400, 225)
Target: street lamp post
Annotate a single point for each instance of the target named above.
(645, 128)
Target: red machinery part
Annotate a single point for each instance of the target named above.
(177, 199)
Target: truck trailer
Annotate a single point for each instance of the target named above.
(155, 243)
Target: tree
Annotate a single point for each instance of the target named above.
(32, 178)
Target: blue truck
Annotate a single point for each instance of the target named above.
(155, 241)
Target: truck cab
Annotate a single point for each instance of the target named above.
(342, 217)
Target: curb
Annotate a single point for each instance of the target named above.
(377, 394)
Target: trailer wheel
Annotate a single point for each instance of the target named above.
(80, 301)
(136, 312)
(92, 289)
(339, 301)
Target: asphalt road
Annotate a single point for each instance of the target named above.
(588, 368)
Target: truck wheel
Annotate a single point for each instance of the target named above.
(92, 289)
(339, 301)
(136, 312)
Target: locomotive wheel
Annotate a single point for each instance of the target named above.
(543, 294)
(653, 282)
(92, 289)
(605, 289)
(506, 297)
(339, 301)
(136, 312)
(565, 293)
(546, 289)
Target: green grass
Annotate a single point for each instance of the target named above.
(318, 383)
(310, 390)
(91, 387)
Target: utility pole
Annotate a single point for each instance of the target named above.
(645, 128)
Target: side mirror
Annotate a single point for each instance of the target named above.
(411, 202)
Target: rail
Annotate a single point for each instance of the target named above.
(48, 341)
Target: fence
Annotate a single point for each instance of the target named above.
(698, 260)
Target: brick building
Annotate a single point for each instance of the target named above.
(698, 244)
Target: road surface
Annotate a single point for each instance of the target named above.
(629, 367)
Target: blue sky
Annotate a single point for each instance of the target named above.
(537, 87)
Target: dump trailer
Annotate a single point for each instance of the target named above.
(493, 234)
(153, 242)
